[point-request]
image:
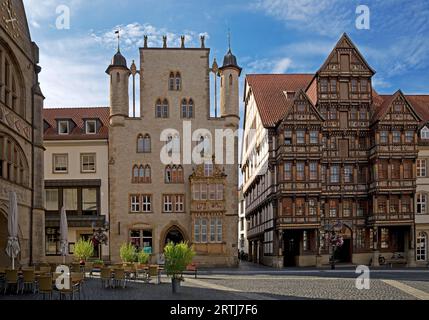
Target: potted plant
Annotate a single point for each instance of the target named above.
(177, 258)
(142, 257)
(128, 253)
(83, 250)
(98, 263)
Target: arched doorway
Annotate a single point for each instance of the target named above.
(4, 259)
(174, 235)
(344, 253)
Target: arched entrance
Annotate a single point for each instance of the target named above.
(4, 259)
(175, 235)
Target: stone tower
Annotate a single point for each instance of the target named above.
(119, 97)
(229, 73)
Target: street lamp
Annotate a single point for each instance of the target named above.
(99, 236)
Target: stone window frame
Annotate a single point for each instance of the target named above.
(174, 202)
(162, 108)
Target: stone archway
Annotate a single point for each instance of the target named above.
(344, 253)
(173, 232)
(174, 235)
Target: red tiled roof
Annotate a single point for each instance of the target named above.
(77, 115)
(421, 105)
(268, 92)
(381, 103)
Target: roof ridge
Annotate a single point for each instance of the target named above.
(81, 107)
(280, 74)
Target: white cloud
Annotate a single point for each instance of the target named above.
(132, 36)
(380, 83)
(322, 16)
(39, 11)
(402, 55)
(265, 65)
(72, 73)
(282, 65)
(73, 68)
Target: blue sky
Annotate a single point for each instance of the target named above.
(267, 36)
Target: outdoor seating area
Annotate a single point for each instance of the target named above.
(40, 279)
(117, 275)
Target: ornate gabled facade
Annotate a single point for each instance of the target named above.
(324, 152)
(21, 133)
(208, 211)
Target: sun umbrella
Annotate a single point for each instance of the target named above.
(64, 234)
(12, 248)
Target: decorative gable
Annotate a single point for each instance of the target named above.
(345, 58)
(399, 109)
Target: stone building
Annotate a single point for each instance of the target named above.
(153, 201)
(21, 133)
(325, 155)
(76, 176)
(422, 173)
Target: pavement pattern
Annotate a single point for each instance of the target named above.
(251, 282)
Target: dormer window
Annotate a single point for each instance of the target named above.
(90, 126)
(63, 127)
(290, 95)
(424, 133)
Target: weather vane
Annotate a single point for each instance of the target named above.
(118, 32)
(229, 39)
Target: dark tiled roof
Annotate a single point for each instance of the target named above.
(380, 104)
(268, 90)
(77, 115)
(421, 105)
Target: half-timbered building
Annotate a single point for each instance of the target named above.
(324, 153)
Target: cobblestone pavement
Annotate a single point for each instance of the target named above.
(322, 285)
(261, 283)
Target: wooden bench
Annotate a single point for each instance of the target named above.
(192, 269)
